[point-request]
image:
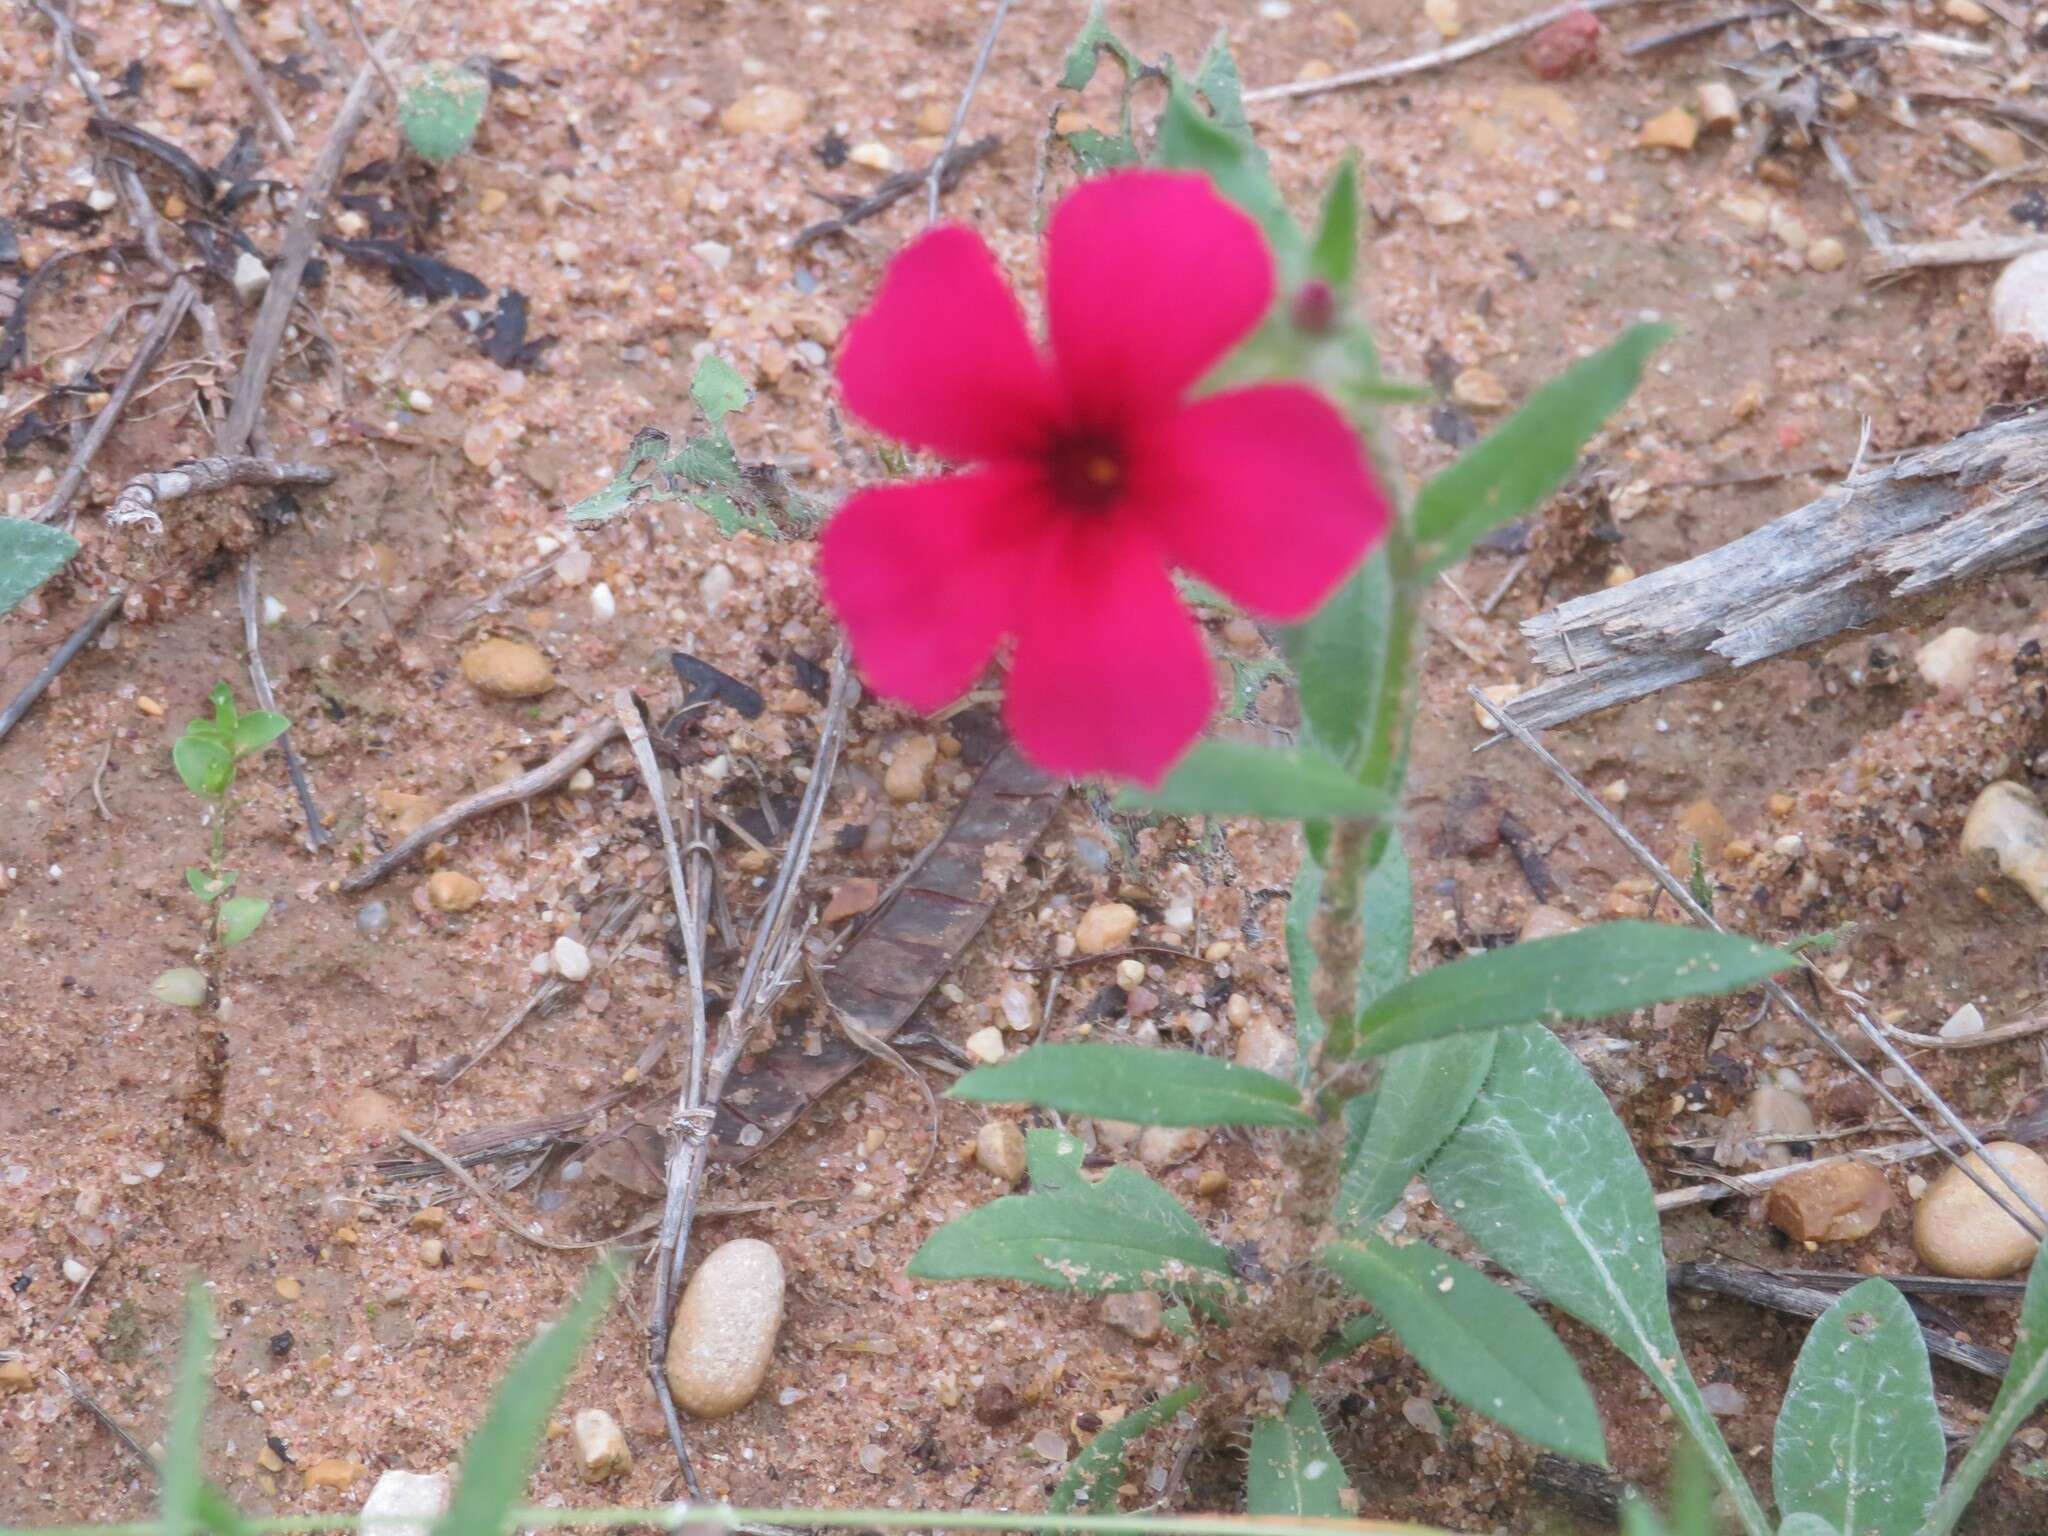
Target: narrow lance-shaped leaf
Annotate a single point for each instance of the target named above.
(1123, 1233)
(1093, 1477)
(1859, 1439)
(1310, 1029)
(182, 1481)
(1338, 655)
(1515, 469)
(500, 1455)
(1544, 1178)
(1294, 1469)
(2024, 1389)
(1485, 1345)
(1147, 1087)
(1599, 971)
(1424, 1091)
(30, 554)
(1234, 778)
(1333, 254)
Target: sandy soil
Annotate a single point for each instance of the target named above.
(605, 189)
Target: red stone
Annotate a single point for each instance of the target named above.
(1565, 47)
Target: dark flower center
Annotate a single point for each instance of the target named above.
(1087, 471)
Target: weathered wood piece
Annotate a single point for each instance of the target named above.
(1886, 545)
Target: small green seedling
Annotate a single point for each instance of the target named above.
(206, 758)
(440, 108)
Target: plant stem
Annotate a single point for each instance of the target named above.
(725, 1517)
(2000, 1425)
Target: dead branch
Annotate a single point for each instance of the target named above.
(79, 639)
(936, 173)
(1865, 554)
(259, 680)
(1891, 260)
(2035, 1219)
(170, 310)
(252, 73)
(266, 332)
(536, 781)
(1784, 1293)
(142, 499)
(1435, 58)
(947, 169)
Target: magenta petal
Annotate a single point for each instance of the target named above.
(1110, 674)
(923, 576)
(942, 360)
(1150, 278)
(1262, 492)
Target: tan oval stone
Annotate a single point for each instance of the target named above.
(601, 1446)
(1835, 1203)
(1959, 1231)
(1546, 922)
(904, 780)
(508, 669)
(765, 109)
(451, 891)
(1105, 926)
(723, 1337)
(999, 1147)
(1266, 1047)
(332, 1472)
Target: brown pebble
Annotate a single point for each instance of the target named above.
(1675, 129)
(996, 1404)
(451, 891)
(15, 1376)
(332, 1472)
(1105, 926)
(1213, 1182)
(1834, 1203)
(508, 669)
(850, 898)
(1136, 1313)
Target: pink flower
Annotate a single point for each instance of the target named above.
(1092, 475)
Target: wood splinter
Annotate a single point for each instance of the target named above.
(142, 499)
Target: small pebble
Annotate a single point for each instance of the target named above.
(723, 1338)
(15, 1376)
(851, 898)
(273, 610)
(1966, 1021)
(1444, 16)
(1968, 12)
(601, 1447)
(1719, 108)
(572, 960)
(1959, 1231)
(1826, 254)
(76, 1272)
(332, 1472)
(405, 1504)
(999, 1148)
(1019, 1003)
(872, 1459)
(603, 606)
(1137, 1313)
(715, 585)
(1564, 47)
(879, 158)
(508, 669)
(2019, 300)
(1675, 129)
(451, 891)
(1498, 693)
(1161, 1147)
(1546, 922)
(996, 1404)
(372, 917)
(1105, 926)
(1444, 210)
(250, 277)
(765, 109)
(582, 781)
(2006, 822)
(192, 77)
(433, 1253)
(1266, 1047)
(1130, 973)
(986, 1045)
(1051, 1444)
(1834, 1203)
(1723, 1398)
(101, 199)
(1999, 148)
(904, 781)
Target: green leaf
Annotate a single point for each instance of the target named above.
(1096, 39)
(1859, 1438)
(1514, 470)
(1094, 1476)
(240, 916)
(1333, 254)
(2024, 1389)
(1218, 83)
(208, 887)
(1353, 1334)
(30, 554)
(181, 1482)
(1806, 1525)
(1294, 1468)
(1424, 1091)
(206, 766)
(1124, 1233)
(1144, 1086)
(1543, 1177)
(1191, 140)
(1096, 151)
(500, 1455)
(1485, 1345)
(217, 1514)
(222, 697)
(1595, 973)
(257, 730)
(1234, 778)
(717, 388)
(1310, 1030)
(181, 987)
(439, 110)
(1337, 656)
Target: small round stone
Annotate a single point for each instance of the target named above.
(1959, 1231)
(723, 1338)
(508, 669)
(451, 891)
(999, 1147)
(1105, 926)
(572, 960)
(372, 917)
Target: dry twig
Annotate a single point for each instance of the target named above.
(259, 680)
(78, 640)
(1896, 258)
(143, 498)
(934, 175)
(535, 781)
(252, 73)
